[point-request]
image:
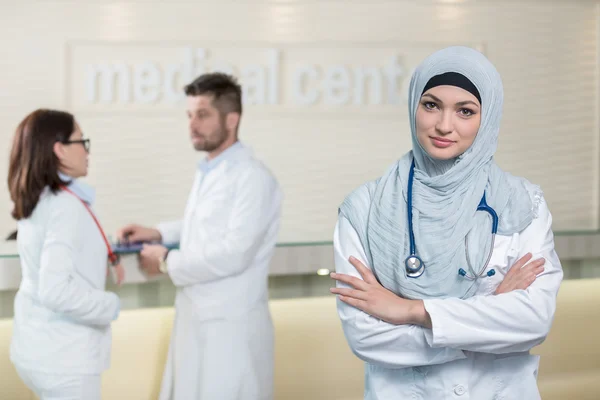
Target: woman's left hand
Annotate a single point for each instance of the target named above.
(369, 296)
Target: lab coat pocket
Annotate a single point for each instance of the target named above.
(392, 383)
(515, 377)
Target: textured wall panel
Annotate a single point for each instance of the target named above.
(142, 162)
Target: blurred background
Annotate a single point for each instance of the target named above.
(325, 106)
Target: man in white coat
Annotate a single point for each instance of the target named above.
(222, 340)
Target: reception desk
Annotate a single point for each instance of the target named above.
(289, 259)
(579, 250)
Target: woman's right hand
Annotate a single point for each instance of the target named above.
(136, 233)
(521, 276)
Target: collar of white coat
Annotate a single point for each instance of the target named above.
(230, 153)
(82, 190)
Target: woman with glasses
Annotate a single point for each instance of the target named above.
(62, 313)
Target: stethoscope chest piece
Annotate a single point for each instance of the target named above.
(414, 266)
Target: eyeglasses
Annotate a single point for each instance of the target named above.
(84, 142)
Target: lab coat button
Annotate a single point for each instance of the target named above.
(460, 390)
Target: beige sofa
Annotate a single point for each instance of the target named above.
(313, 361)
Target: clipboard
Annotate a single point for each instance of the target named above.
(134, 248)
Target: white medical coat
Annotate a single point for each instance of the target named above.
(478, 348)
(62, 311)
(222, 340)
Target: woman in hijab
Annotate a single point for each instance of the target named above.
(433, 301)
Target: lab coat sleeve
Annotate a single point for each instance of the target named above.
(255, 207)
(170, 232)
(372, 340)
(510, 322)
(60, 288)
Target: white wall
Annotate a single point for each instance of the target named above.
(142, 161)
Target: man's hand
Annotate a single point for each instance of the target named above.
(150, 257)
(136, 233)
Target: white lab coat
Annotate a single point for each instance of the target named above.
(222, 340)
(62, 312)
(478, 348)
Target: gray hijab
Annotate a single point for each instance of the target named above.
(445, 195)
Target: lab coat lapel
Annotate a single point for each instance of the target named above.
(206, 182)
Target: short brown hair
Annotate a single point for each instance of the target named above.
(225, 89)
(33, 164)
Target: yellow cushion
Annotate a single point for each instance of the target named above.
(11, 388)
(584, 385)
(312, 359)
(570, 356)
(139, 352)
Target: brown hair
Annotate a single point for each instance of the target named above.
(224, 88)
(33, 164)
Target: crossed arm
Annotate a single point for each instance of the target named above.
(387, 330)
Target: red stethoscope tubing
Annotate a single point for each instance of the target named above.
(113, 258)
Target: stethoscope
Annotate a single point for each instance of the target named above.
(415, 267)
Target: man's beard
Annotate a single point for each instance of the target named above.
(212, 143)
